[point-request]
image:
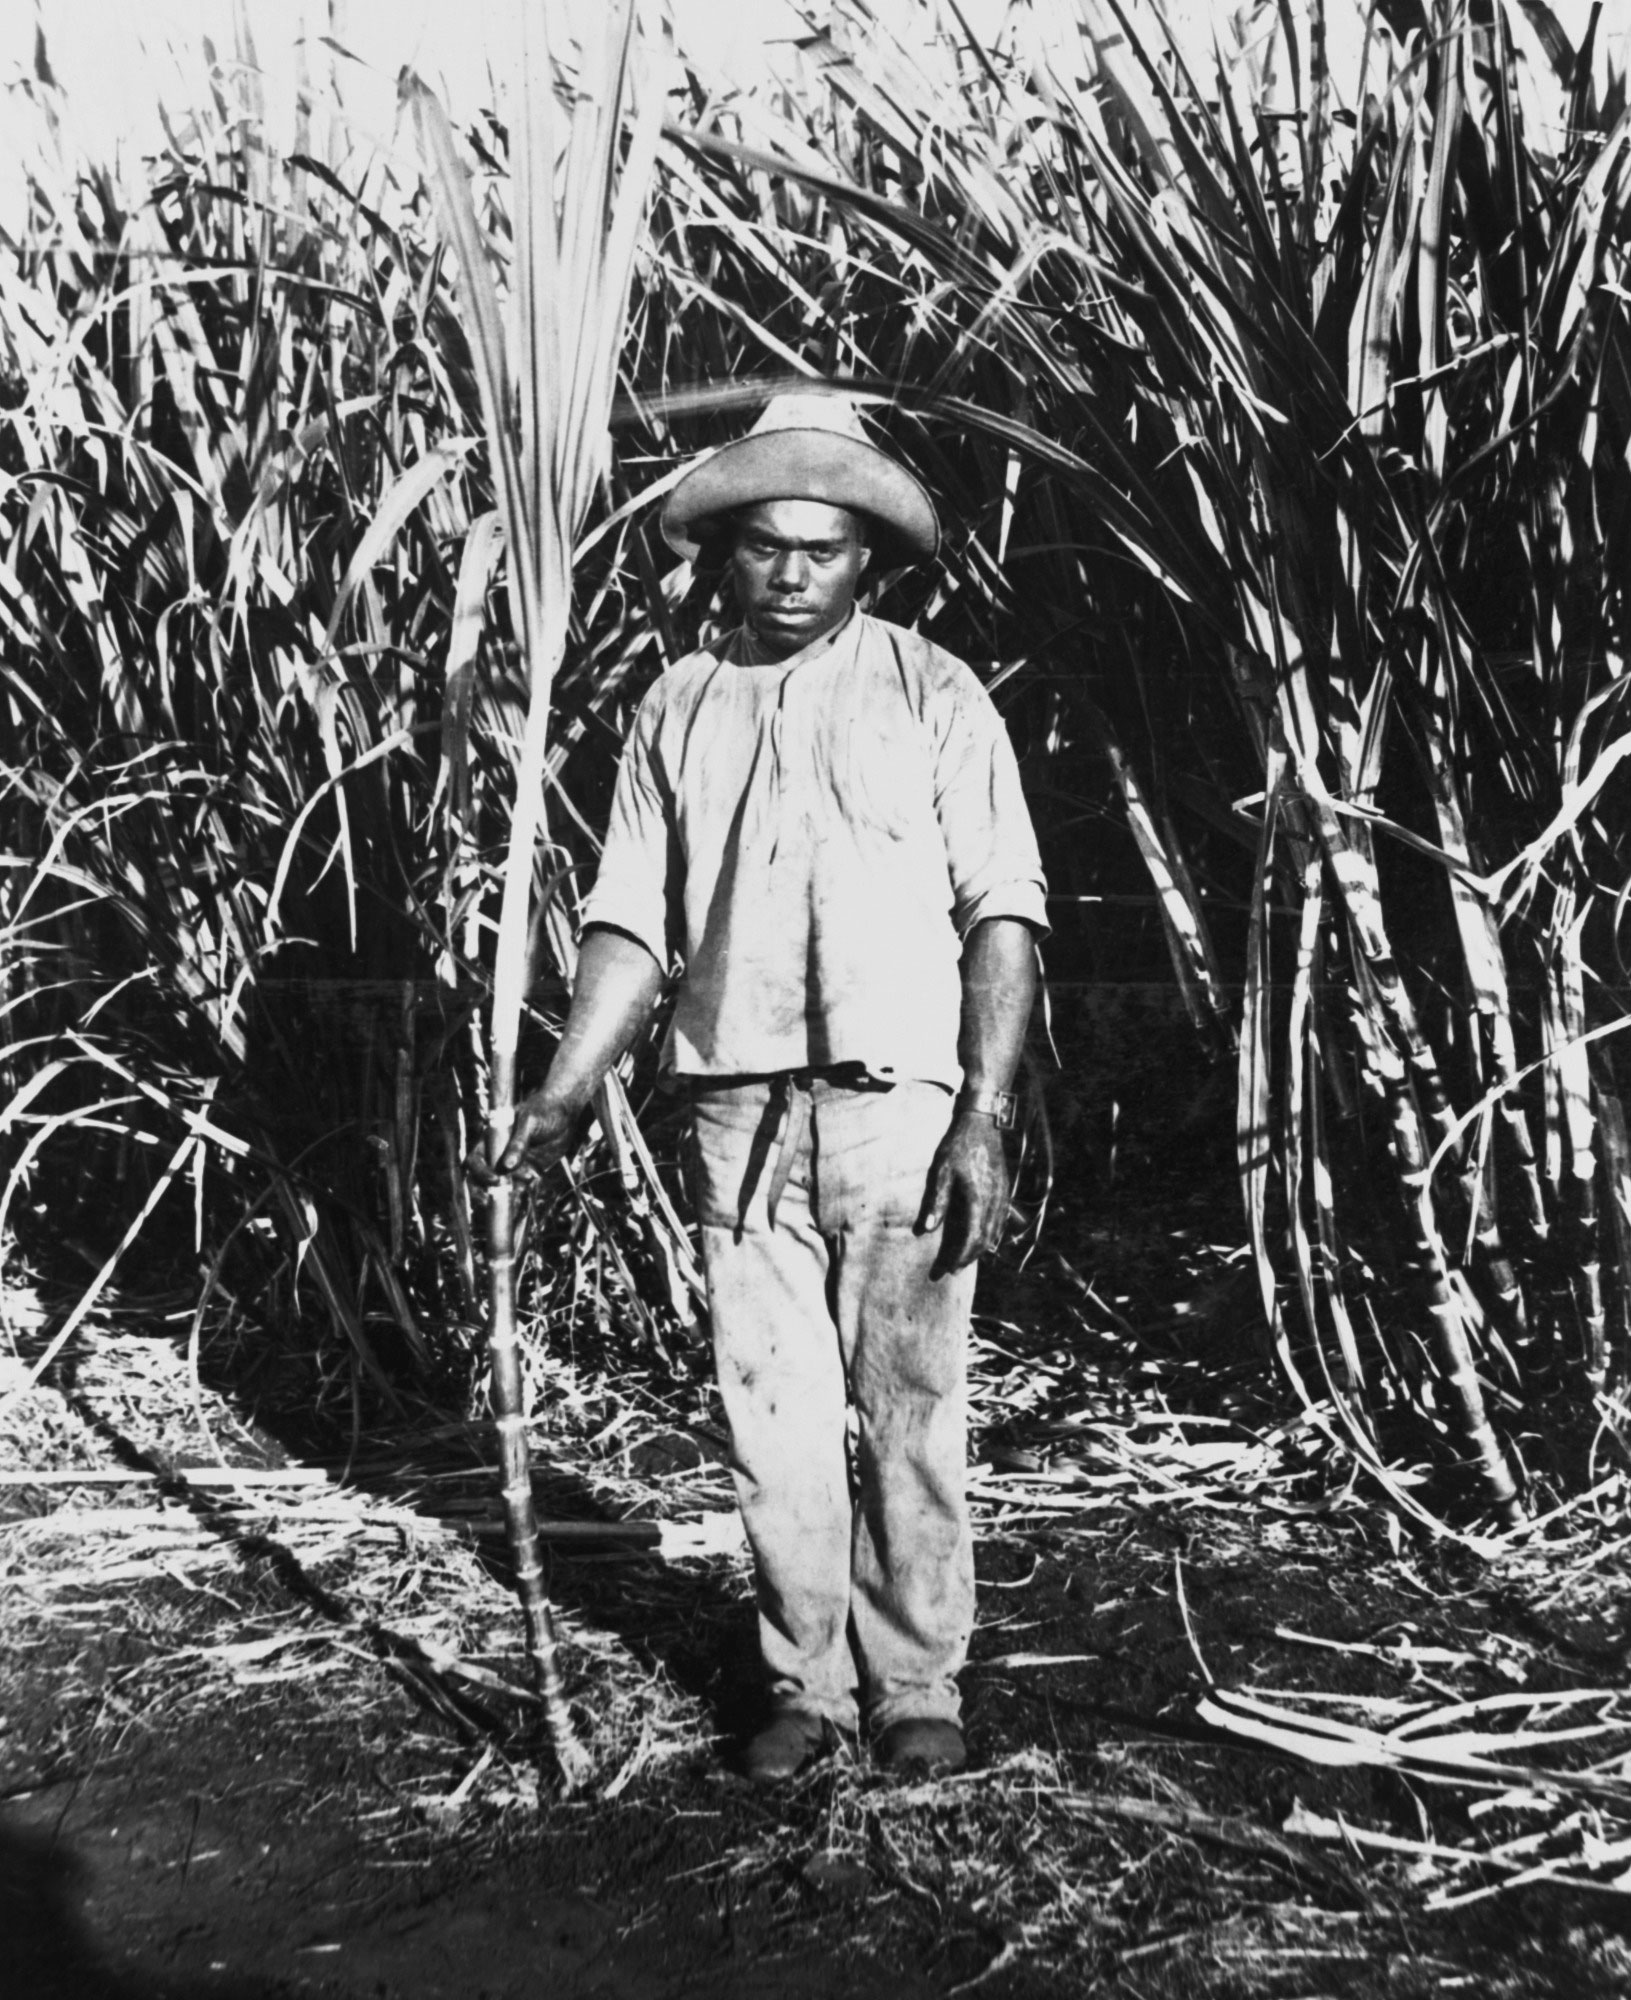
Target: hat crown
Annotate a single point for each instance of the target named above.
(812, 411)
(807, 445)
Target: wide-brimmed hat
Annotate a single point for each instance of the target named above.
(805, 447)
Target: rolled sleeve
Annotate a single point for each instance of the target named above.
(991, 851)
(639, 886)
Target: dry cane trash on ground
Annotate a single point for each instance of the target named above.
(1216, 1717)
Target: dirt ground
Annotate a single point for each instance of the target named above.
(277, 1841)
(257, 1744)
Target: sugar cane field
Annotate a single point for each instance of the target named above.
(1269, 366)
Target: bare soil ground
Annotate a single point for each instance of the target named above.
(260, 1734)
(179, 1820)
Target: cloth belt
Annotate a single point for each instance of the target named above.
(793, 1086)
(785, 1124)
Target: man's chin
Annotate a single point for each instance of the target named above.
(792, 629)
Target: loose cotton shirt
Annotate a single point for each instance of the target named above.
(813, 839)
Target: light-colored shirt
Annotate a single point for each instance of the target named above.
(814, 838)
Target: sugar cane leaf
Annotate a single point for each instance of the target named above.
(395, 508)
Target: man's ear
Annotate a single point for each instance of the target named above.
(866, 557)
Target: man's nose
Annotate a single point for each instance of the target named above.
(790, 571)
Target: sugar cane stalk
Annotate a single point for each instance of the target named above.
(546, 369)
(515, 1465)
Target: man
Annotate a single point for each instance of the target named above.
(821, 818)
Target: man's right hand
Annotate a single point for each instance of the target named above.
(540, 1138)
(616, 988)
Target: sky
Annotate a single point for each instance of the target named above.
(112, 55)
(118, 60)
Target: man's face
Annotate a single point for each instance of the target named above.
(796, 564)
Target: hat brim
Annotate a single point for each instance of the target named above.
(800, 465)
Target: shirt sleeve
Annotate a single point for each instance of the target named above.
(639, 885)
(991, 851)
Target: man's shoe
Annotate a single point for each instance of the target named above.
(921, 1747)
(784, 1746)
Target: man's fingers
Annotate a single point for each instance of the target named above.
(994, 1219)
(960, 1211)
(515, 1147)
(480, 1167)
(964, 1245)
(938, 1199)
(987, 1229)
(984, 1210)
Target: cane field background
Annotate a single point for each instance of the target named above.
(1272, 369)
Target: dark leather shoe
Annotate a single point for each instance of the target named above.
(921, 1747)
(786, 1744)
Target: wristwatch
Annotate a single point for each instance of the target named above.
(1000, 1105)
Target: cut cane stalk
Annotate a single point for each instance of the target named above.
(546, 375)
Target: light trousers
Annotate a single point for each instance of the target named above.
(825, 1300)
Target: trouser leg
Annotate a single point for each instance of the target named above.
(912, 1561)
(781, 1379)
(904, 1332)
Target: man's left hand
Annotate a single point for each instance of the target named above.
(968, 1191)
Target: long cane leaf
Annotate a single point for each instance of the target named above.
(574, 245)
